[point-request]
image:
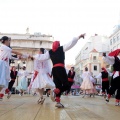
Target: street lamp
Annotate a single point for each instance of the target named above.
(18, 67)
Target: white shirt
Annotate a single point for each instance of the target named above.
(111, 60)
(88, 76)
(5, 53)
(14, 58)
(42, 66)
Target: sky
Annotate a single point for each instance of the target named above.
(64, 19)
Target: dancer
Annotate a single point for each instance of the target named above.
(114, 59)
(13, 75)
(87, 85)
(42, 79)
(105, 82)
(23, 85)
(71, 75)
(5, 55)
(57, 55)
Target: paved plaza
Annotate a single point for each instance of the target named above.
(76, 108)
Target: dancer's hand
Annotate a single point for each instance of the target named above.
(31, 57)
(20, 57)
(82, 36)
(104, 54)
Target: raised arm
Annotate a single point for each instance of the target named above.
(110, 60)
(42, 57)
(99, 76)
(72, 43)
(14, 58)
(17, 53)
(20, 55)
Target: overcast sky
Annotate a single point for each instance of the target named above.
(63, 19)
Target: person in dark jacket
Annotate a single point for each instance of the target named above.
(114, 59)
(13, 75)
(71, 75)
(105, 82)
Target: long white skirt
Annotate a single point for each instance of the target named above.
(43, 81)
(4, 74)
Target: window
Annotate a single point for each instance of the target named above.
(111, 42)
(95, 68)
(94, 57)
(117, 38)
(86, 48)
(115, 47)
(114, 40)
(40, 42)
(118, 46)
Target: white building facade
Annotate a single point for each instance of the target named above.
(28, 44)
(91, 55)
(114, 39)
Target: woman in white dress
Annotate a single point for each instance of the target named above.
(5, 55)
(23, 84)
(42, 77)
(87, 85)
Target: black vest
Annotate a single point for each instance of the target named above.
(116, 65)
(104, 75)
(71, 76)
(12, 75)
(58, 56)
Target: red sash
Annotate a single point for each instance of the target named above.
(59, 65)
(70, 79)
(105, 79)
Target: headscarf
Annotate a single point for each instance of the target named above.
(55, 45)
(104, 69)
